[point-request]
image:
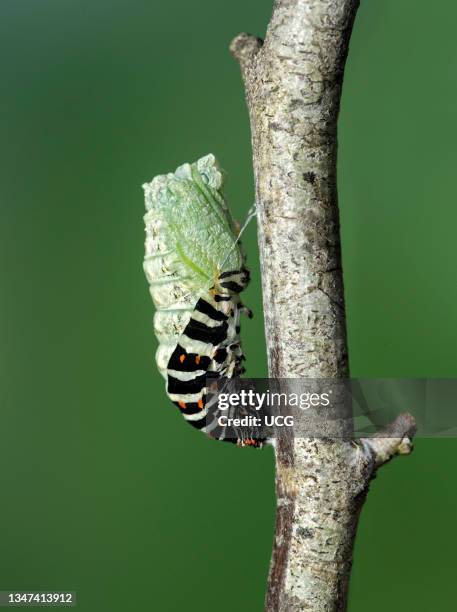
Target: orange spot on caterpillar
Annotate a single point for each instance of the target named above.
(197, 359)
(182, 357)
(200, 404)
(182, 404)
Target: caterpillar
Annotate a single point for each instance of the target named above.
(196, 271)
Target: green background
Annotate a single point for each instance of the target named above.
(104, 490)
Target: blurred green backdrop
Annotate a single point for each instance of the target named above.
(104, 489)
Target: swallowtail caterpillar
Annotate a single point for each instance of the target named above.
(196, 271)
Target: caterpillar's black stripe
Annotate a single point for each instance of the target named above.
(232, 286)
(222, 298)
(191, 362)
(189, 408)
(230, 273)
(206, 308)
(182, 387)
(221, 355)
(235, 272)
(199, 331)
(198, 424)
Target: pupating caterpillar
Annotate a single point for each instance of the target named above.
(196, 271)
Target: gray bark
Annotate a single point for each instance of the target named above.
(293, 86)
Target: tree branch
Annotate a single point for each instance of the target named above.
(244, 48)
(396, 439)
(293, 87)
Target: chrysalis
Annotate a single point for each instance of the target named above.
(196, 271)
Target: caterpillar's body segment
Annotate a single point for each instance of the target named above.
(195, 269)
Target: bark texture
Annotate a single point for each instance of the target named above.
(293, 86)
